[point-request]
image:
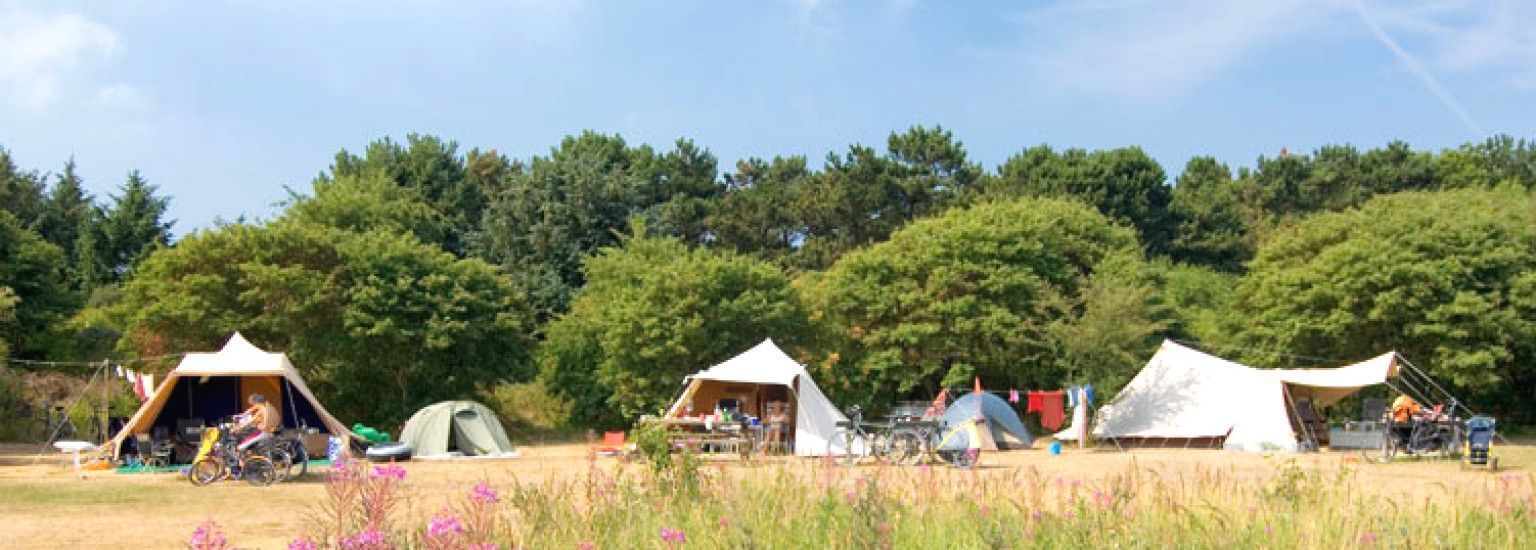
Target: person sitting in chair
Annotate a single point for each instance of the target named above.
(1404, 408)
(264, 417)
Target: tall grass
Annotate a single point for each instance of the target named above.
(816, 504)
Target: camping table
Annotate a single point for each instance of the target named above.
(75, 448)
(696, 434)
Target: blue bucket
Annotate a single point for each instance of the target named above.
(1056, 448)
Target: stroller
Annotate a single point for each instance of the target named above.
(1479, 447)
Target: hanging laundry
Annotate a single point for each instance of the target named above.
(1088, 394)
(1072, 396)
(138, 388)
(1034, 402)
(977, 388)
(149, 385)
(1051, 411)
(1013, 396)
(120, 372)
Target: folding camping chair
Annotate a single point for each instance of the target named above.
(153, 453)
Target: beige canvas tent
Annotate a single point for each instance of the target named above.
(762, 375)
(456, 428)
(205, 387)
(1183, 395)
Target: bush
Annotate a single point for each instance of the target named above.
(529, 410)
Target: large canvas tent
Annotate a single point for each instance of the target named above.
(761, 374)
(207, 386)
(1002, 426)
(1185, 395)
(464, 427)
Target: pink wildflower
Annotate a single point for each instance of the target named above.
(301, 544)
(851, 495)
(671, 536)
(1368, 538)
(487, 545)
(586, 545)
(1036, 515)
(883, 527)
(389, 472)
(368, 539)
(208, 536)
(483, 493)
(444, 523)
(725, 523)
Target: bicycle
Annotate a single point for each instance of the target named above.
(289, 456)
(218, 458)
(1427, 435)
(876, 441)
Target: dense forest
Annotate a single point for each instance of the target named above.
(578, 287)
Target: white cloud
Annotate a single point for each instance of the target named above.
(122, 95)
(1417, 68)
(39, 52)
(1496, 38)
(1148, 49)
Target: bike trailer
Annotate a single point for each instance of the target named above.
(1479, 447)
(211, 438)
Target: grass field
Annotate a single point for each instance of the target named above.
(557, 497)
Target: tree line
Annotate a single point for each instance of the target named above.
(602, 272)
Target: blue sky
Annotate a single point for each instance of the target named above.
(222, 104)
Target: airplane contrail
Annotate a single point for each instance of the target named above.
(1418, 69)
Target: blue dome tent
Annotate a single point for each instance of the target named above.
(1003, 426)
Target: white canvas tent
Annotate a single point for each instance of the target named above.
(208, 385)
(765, 364)
(1183, 394)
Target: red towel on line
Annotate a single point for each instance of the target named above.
(1034, 402)
(1051, 409)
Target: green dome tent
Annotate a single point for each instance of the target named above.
(456, 428)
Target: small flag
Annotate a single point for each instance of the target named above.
(977, 389)
(938, 402)
(1013, 396)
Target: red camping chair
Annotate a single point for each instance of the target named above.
(613, 444)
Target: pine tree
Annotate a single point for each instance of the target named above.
(133, 226)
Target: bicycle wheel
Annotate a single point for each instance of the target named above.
(852, 455)
(906, 447)
(259, 471)
(300, 459)
(205, 471)
(282, 463)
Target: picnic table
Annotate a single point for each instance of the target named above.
(703, 436)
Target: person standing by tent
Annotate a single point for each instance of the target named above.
(1403, 410)
(264, 417)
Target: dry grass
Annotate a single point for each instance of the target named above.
(45, 505)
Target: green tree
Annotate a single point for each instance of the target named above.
(370, 202)
(431, 169)
(580, 197)
(1124, 184)
(21, 192)
(379, 321)
(1211, 225)
(972, 292)
(70, 220)
(34, 271)
(1447, 278)
(1497, 160)
(757, 213)
(133, 226)
(653, 311)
